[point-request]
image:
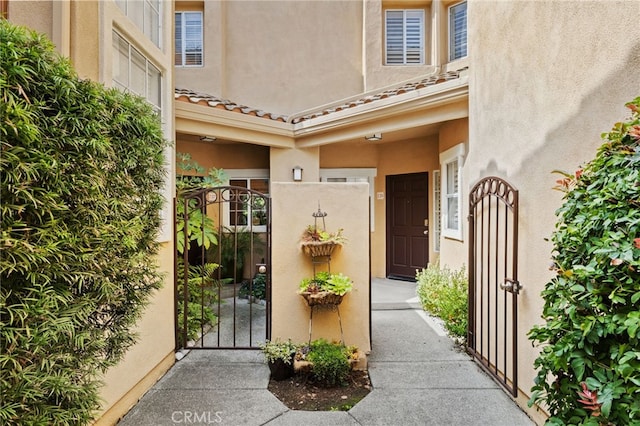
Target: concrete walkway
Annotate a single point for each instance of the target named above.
(418, 375)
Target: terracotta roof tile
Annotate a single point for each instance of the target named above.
(185, 95)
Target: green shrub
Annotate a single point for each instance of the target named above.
(82, 169)
(589, 365)
(202, 295)
(330, 362)
(444, 293)
(256, 287)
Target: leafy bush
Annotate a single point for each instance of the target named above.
(202, 294)
(82, 169)
(256, 288)
(276, 350)
(330, 362)
(339, 283)
(444, 293)
(589, 365)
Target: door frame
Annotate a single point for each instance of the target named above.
(389, 225)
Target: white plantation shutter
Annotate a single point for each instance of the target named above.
(458, 31)
(188, 38)
(404, 35)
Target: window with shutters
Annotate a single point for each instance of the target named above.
(404, 37)
(450, 191)
(458, 31)
(189, 43)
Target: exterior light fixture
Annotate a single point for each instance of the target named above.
(297, 173)
(207, 138)
(374, 137)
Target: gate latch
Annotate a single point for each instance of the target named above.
(512, 286)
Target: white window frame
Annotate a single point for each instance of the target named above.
(247, 174)
(183, 37)
(449, 158)
(437, 210)
(453, 34)
(147, 19)
(149, 66)
(407, 14)
(354, 175)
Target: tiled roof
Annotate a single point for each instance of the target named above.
(186, 95)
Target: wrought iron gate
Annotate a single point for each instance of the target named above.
(493, 279)
(222, 278)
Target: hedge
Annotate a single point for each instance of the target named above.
(82, 170)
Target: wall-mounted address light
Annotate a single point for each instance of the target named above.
(297, 173)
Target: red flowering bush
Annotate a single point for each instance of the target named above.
(589, 365)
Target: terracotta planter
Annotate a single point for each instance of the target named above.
(280, 370)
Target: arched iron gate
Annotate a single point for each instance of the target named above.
(223, 278)
(493, 280)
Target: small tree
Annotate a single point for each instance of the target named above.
(82, 170)
(589, 365)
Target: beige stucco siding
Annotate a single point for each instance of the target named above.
(293, 206)
(280, 56)
(547, 79)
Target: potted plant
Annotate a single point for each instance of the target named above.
(325, 288)
(279, 356)
(315, 242)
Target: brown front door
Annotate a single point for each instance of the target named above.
(407, 224)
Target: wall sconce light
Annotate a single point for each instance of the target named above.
(374, 137)
(297, 173)
(207, 138)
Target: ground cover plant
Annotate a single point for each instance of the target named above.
(82, 170)
(589, 365)
(443, 293)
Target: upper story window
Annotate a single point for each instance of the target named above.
(133, 72)
(188, 39)
(451, 164)
(145, 14)
(404, 37)
(458, 31)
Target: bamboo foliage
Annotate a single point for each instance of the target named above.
(82, 169)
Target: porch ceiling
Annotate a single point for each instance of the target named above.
(410, 110)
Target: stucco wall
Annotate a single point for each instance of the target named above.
(280, 56)
(151, 357)
(545, 81)
(292, 209)
(225, 155)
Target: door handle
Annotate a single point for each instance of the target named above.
(512, 286)
(425, 232)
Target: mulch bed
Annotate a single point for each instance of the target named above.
(301, 393)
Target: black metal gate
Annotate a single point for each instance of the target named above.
(493, 279)
(222, 278)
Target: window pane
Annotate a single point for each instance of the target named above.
(452, 212)
(138, 73)
(154, 86)
(458, 31)
(452, 177)
(120, 66)
(178, 51)
(404, 34)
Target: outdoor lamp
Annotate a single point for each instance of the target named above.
(297, 174)
(374, 137)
